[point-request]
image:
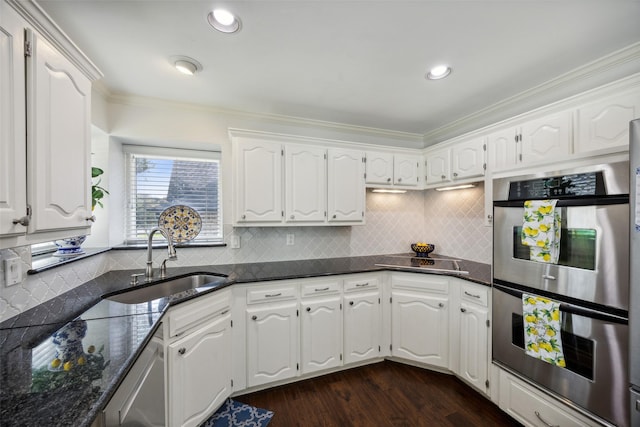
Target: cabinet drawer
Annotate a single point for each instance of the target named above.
(361, 283)
(421, 282)
(475, 294)
(191, 314)
(320, 288)
(271, 293)
(530, 407)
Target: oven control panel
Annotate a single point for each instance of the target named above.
(557, 187)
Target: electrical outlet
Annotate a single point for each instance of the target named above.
(290, 239)
(235, 242)
(12, 271)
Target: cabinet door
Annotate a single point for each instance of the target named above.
(199, 372)
(546, 139)
(503, 149)
(258, 180)
(305, 183)
(474, 337)
(438, 166)
(272, 343)
(605, 125)
(321, 323)
(13, 172)
(420, 327)
(362, 320)
(405, 170)
(468, 159)
(346, 189)
(59, 139)
(379, 168)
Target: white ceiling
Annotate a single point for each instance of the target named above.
(353, 62)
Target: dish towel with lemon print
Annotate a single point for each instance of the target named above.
(541, 230)
(542, 329)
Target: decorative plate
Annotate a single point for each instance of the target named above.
(182, 222)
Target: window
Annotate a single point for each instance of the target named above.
(157, 178)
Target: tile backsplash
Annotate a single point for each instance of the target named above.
(453, 221)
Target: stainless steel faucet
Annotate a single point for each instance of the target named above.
(171, 250)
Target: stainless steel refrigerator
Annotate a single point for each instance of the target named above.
(634, 253)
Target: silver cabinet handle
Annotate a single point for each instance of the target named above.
(334, 217)
(362, 285)
(321, 290)
(440, 305)
(243, 217)
(254, 317)
(388, 179)
(489, 217)
(22, 221)
(443, 176)
(544, 421)
(548, 277)
(273, 295)
(463, 310)
(455, 174)
(91, 218)
(350, 302)
(182, 351)
(472, 295)
(308, 308)
(399, 179)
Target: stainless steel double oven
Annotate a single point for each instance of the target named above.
(590, 281)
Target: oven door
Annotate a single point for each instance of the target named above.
(594, 251)
(595, 350)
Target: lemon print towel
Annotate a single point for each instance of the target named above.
(542, 329)
(541, 230)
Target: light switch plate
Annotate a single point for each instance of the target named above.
(235, 241)
(12, 271)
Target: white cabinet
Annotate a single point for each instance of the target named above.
(258, 181)
(58, 109)
(321, 334)
(420, 318)
(401, 170)
(272, 334)
(531, 407)
(278, 182)
(362, 318)
(473, 349)
(461, 161)
(346, 188)
(604, 126)
(305, 183)
(543, 140)
(199, 372)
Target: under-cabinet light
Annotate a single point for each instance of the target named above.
(455, 187)
(388, 190)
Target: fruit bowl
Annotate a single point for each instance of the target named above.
(422, 249)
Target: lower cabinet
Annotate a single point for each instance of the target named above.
(272, 342)
(532, 407)
(420, 318)
(321, 334)
(473, 341)
(362, 318)
(199, 372)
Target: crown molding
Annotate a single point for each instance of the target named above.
(617, 65)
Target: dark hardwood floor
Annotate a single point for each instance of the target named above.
(383, 394)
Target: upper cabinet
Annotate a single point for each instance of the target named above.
(388, 169)
(45, 89)
(535, 141)
(604, 126)
(462, 161)
(279, 182)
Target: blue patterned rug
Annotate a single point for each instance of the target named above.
(238, 414)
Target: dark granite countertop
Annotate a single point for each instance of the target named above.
(108, 337)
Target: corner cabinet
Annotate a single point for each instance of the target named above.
(461, 162)
(396, 170)
(45, 84)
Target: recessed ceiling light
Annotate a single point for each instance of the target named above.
(224, 21)
(186, 65)
(438, 72)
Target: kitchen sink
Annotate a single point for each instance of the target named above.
(178, 287)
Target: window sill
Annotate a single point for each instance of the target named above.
(44, 262)
(143, 246)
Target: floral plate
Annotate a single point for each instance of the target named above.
(182, 222)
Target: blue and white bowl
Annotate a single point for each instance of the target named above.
(70, 246)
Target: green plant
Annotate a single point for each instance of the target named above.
(97, 192)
